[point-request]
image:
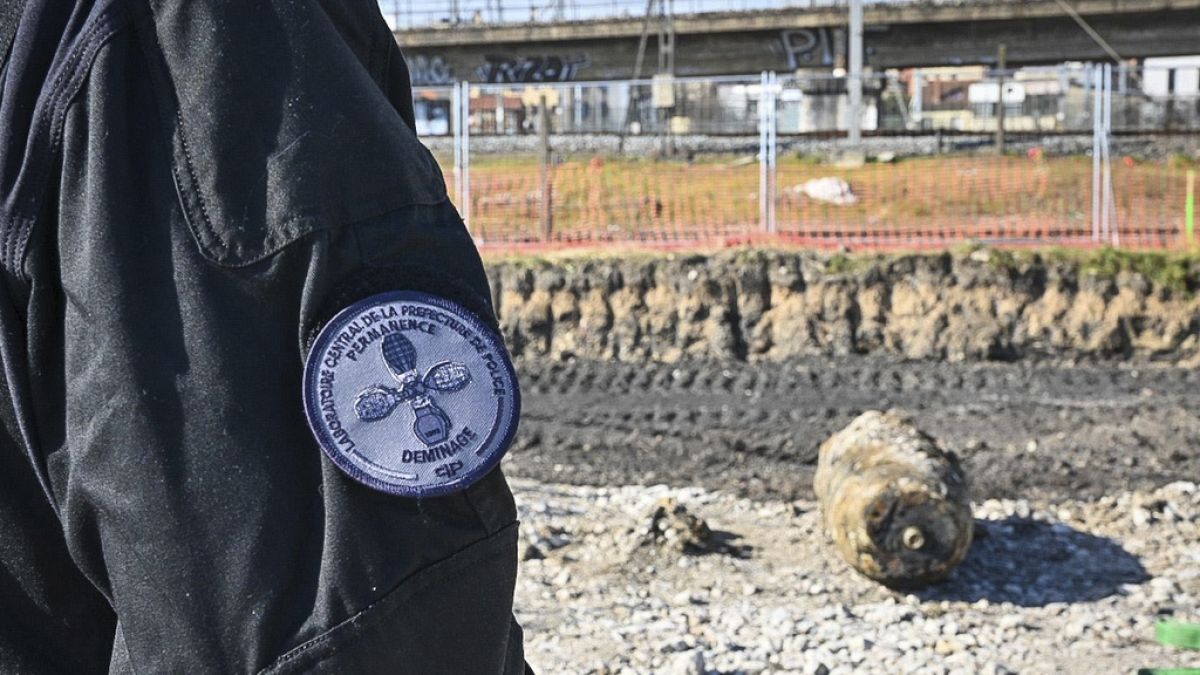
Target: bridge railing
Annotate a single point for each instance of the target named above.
(676, 162)
(407, 14)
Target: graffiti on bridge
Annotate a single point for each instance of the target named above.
(810, 47)
(430, 71)
(818, 47)
(526, 69)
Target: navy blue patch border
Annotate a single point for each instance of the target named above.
(312, 414)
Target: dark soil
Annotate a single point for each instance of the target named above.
(1023, 430)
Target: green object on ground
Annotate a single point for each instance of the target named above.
(1177, 634)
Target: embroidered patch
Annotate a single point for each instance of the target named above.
(411, 394)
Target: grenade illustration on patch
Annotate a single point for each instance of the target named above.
(432, 424)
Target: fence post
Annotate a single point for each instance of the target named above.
(1062, 104)
(466, 153)
(1001, 112)
(547, 197)
(768, 123)
(917, 104)
(772, 150)
(1189, 209)
(1097, 121)
(1110, 206)
(854, 80)
(456, 136)
(764, 192)
(460, 121)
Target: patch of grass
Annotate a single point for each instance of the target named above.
(569, 257)
(808, 160)
(1171, 271)
(517, 259)
(1176, 271)
(967, 248)
(1181, 161)
(1003, 259)
(748, 254)
(846, 263)
(997, 258)
(839, 263)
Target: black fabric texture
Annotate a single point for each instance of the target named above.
(190, 190)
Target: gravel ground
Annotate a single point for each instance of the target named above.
(1085, 533)
(1051, 585)
(1025, 431)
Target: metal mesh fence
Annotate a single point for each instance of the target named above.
(681, 162)
(1045, 100)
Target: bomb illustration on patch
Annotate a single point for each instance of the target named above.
(432, 424)
(411, 394)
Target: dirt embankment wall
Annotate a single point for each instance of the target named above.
(772, 305)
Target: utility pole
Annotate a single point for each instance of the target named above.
(661, 13)
(1002, 67)
(855, 80)
(1170, 107)
(666, 74)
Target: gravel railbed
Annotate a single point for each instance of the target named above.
(1063, 585)
(694, 145)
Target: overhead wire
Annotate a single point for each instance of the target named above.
(1087, 28)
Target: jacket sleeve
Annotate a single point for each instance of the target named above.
(231, 177)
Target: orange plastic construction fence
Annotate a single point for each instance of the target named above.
(516, 202)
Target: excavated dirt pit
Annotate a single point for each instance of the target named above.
(1024, 430)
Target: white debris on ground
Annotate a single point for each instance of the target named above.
(1072, 587)
(830, 189)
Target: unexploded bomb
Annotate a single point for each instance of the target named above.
(895, 504)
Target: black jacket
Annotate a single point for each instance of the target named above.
(190, 189)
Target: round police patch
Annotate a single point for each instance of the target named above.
(411, 394)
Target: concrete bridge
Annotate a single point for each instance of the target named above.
(913, 34)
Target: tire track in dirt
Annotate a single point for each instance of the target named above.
(1023, 430)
